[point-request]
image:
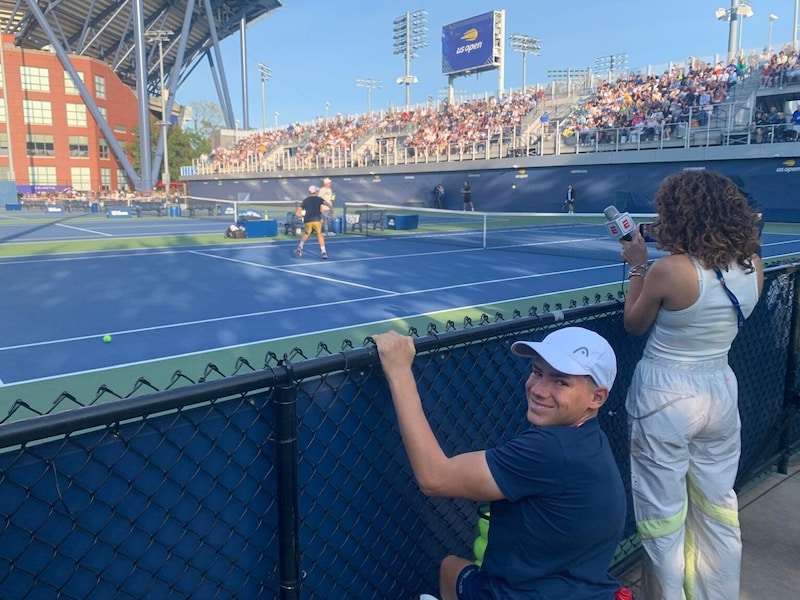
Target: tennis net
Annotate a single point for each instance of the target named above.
(231, 211)
(579, 235)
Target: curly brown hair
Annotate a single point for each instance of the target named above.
(704, 214)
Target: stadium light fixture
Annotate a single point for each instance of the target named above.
(265, 73)
(738, 11)
(161, 36)
(277, 114)
(409, 33)
(772, 18)
(368, 83)
(612, 64)
(525, 44)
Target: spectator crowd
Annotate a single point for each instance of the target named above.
(635, 107)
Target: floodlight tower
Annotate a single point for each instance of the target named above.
(368, 83)
(265, 73)
(739, 10)
(409, 35)
(611, 64)
(525, 43)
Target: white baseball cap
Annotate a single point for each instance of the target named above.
(326, 180)
(574, 351)
(312, 189)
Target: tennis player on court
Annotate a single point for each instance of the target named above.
(557, 500)
(311, 211)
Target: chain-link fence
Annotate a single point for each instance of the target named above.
(291, 480)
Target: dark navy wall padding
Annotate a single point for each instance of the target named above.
(772, 182)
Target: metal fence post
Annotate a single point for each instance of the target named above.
(286, 438)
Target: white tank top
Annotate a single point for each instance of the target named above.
(706, 329)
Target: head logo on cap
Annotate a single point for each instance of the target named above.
(574, 351)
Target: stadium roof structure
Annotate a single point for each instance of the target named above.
(131, 36)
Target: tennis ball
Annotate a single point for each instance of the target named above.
(106, 338)
(483, 527)
(479, 548)
(513, 187)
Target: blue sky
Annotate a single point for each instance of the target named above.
(317, 49)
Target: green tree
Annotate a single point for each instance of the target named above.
(206, 117)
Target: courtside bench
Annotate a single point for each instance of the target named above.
(194, 206)
(149, 207)
(371, 218)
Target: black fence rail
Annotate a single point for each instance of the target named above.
(291, 480)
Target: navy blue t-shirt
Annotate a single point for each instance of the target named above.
(555, 534)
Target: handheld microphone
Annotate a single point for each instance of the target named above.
(619, 225)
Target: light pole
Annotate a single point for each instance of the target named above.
(613, 64)
(265, 73)
(161, 36)
(524, 43)
(409, 33)
(235, 132)
(739, 10)
(327, 106)
(368, 83)
(769, 32)
(277, 114)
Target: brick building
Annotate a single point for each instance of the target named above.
(49, 132)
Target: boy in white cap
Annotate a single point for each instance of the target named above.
(557, 502)
(311, 211)
(326, 193)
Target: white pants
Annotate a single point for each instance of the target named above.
(685, 447)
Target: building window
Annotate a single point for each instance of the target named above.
(69, 85)
(103, 149)
(79, 146)
(102, 110)
(34, 79)
(119, 129)
(2, 110)
(105, 179)
(122, 180)
(81, 179)
(39, 144)
(3, 144)
(76, 115)
(36, 112)
(99, 86)
(42, 176)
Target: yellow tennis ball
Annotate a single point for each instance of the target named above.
(479, 548)
(483, 527)
(106, 338)
(513, 187)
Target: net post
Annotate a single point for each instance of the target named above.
(485, 233)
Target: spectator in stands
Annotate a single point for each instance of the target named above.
(326, 193)
(466, 193)
(311, 211)
(682, 402)
(557, 502)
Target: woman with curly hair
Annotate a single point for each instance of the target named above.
(683, 399)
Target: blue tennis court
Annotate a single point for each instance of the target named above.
(174, 301)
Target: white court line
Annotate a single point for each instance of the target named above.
(312, 306)
(284, 270)
(294, 335)
(82, 229)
